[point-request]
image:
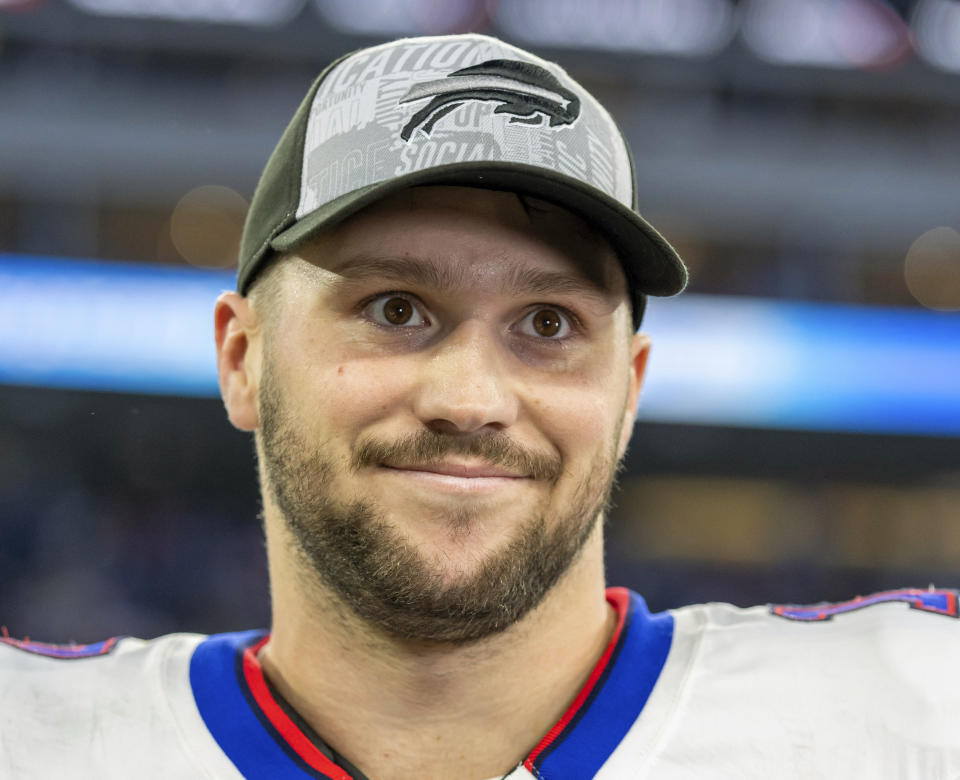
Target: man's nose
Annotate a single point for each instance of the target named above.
(465, 385)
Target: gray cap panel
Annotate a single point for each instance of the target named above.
(421, 103)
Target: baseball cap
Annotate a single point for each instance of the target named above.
(467, 110)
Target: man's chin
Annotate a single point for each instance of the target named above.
(455, 542)
(451, 578)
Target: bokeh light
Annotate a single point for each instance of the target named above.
(403, 17)
(825, 33)
(20, 5)
(936, 25)
(932, 269)
(206, 224)
(257, 13)
(693, 28)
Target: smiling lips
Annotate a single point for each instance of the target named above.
(459, 470)
(457, 478)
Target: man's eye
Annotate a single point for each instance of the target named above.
(395, 310)
(545, 323)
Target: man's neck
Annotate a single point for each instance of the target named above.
(403, 710)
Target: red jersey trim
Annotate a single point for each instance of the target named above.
(301, 744)
(619, 599)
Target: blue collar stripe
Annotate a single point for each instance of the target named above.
(606, 719)
(229, 716)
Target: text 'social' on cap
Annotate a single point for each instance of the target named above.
(466, 110)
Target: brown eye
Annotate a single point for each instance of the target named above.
(546, 323)
(397, 311)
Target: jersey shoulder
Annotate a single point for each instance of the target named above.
(107, 658)
(120, 673)
(81, 707)
(909, 634)
(865, 687)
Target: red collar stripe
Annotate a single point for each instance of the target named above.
(619, 599)
(310, 753)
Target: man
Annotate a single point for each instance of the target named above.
(434, 342)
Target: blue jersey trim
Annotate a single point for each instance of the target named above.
(620, 695)
(231, 719)
(63, 651)
(938, 602)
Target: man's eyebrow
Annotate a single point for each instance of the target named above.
(443, 277)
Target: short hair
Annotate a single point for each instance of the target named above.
(264, 290)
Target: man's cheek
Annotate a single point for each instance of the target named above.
(356, 393)
(582, 419)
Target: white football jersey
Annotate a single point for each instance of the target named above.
(864, 689)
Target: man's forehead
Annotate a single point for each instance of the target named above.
(510, 278)
(435, 235)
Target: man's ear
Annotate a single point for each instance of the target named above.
(639, 351)
(237, 330)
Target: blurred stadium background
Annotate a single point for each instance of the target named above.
(800, 433)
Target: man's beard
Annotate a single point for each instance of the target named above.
(378, 574)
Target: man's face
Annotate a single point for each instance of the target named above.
(448, 383)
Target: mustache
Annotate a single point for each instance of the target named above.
(425, 447)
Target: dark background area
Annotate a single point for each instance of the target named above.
(778, 173)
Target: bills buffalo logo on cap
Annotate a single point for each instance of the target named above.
(526, 91)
